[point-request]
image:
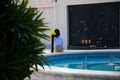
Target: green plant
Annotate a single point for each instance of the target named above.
(21, 31)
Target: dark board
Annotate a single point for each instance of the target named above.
(94, 25)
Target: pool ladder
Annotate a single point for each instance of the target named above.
(85, 64)
(111, 63)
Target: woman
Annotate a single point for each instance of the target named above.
(58, 41)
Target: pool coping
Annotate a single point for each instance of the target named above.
(80, 72)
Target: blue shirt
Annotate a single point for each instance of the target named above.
(58, 41)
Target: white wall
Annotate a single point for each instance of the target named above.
(56, 13)
(49, 20)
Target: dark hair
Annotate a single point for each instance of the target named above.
(57, 32)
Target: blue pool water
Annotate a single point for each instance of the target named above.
(105, 61)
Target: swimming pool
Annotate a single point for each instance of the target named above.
(106, 61)
(86, 65)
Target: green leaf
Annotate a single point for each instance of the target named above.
(21, 31)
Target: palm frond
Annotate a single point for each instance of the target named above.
(21, 31)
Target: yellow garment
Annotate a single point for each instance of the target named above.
(51, 33)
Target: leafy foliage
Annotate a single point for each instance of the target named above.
(21, 31)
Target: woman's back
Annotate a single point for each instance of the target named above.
(58, 41)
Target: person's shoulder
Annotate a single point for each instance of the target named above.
(60, 36)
